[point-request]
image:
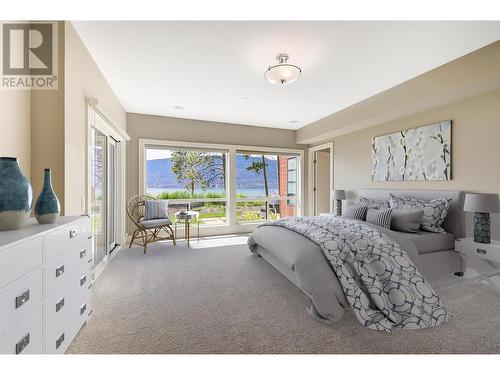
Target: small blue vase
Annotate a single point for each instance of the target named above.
(47, 207)
(16, 195)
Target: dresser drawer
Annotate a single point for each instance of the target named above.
(19, 298)
(58, 340)
(61, 309)
(482, 251)
(20, 259)
(65, 237)
(59, 271)
(83, 309)
(26, 336)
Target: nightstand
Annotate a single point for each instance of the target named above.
(474, 253)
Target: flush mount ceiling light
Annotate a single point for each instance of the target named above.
(282, 73)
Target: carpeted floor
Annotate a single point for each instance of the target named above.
(220, 299)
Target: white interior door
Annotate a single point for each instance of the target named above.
(320, 179)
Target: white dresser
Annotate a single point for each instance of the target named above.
(45, 276)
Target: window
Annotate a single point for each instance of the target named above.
(291, 180)
(263, 176)
(191, 179)
(227, 185)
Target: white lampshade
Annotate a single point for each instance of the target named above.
(339, 194)
(483, 203)
(282, 73)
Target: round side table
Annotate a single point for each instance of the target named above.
(187, 218)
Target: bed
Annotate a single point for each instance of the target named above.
(303, 262)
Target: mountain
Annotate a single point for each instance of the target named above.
(159, 174)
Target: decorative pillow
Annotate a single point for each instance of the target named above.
(353, 211)
(407, 220)
(373, 203)
(381, 217)
(156, 209)
(435, 211)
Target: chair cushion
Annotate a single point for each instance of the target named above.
(156, 209)
(154, 223)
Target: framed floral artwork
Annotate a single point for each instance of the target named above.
(422, 153)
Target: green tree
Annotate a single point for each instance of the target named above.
(204, 169)
(257, 166)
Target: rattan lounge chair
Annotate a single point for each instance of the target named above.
(147, 230)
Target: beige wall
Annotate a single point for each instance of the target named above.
(47, 131)
(175, 129)
(82, 79)
(475, 150)
(15, 140)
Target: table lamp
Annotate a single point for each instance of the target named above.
(482, 205)
(338, 196)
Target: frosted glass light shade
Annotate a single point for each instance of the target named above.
(282, 74)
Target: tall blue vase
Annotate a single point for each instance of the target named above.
(47, 207)
(16, 195)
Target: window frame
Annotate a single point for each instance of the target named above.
(232, 226)
(293, 201)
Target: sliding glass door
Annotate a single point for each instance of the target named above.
(103, 194)
(99, 194)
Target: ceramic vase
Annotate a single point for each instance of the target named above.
(16, 195)
(47, 207)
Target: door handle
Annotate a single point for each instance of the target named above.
(22, 299)
(23, 343)
(59, 341)
(59, 305)
(59, 270)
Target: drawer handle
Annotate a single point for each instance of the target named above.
(60, 305)
(59, 341)
(83, 280)
(73, 233)
(83, 253)
(22, 299)
(59, 270)
(481, 251)
(83, 308)
(23, 343)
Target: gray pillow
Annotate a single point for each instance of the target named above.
(435, 210)
(382, 217)
(407, 220)
(353, 211)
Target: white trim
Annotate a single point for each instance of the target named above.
(311, 175)
(98, 119)
(232, 226)
(94, 103)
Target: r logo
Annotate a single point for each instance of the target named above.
(27, 49)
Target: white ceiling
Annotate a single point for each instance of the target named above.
(215, 70)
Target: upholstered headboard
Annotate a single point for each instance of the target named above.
(455, 221)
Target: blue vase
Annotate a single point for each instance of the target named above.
(47, 207)
(16, 195)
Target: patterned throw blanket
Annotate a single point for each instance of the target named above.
(379, 280)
